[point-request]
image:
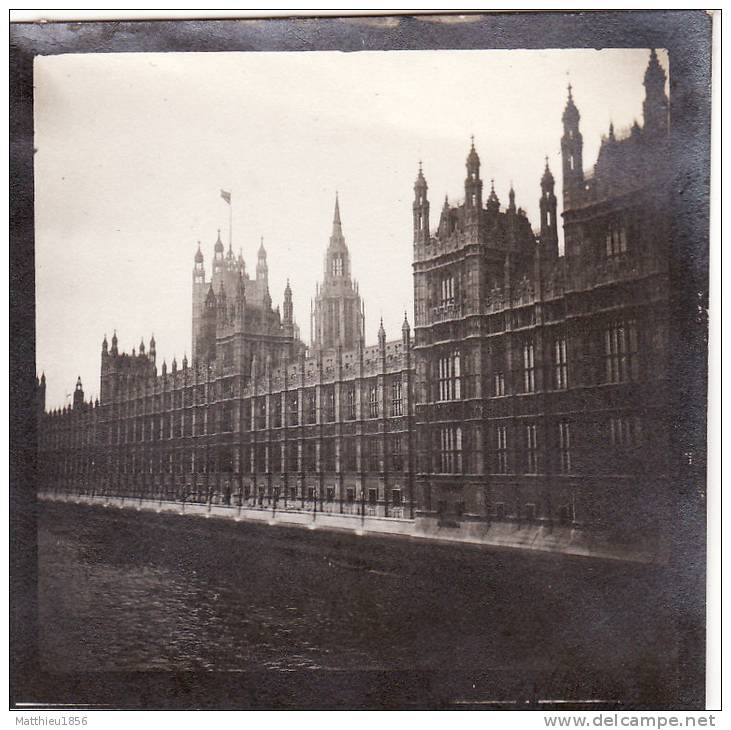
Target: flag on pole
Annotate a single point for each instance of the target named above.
(226, 196)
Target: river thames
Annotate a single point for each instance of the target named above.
(127, 591)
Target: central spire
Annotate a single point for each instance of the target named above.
(337, 239)
(336, 215)
(336, 316)
(337, 233)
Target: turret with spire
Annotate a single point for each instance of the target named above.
(262, 269)
(41, 394)
(78, 394)
(218, 259)
(445, 220)
(287, 309)
(572, 146)
(421, 209)
(493, 202)
(199, 273)
(199, 294)
(473, 193)
(549, 224)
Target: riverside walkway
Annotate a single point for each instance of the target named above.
(526, 536)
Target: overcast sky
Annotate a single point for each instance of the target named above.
(133, 149)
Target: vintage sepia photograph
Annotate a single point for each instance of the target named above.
(361, 380)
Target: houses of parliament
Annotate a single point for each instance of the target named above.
(531, 386)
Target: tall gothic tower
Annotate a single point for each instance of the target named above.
(337, 314)
(655, 106)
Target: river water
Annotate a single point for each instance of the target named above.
(122, 590)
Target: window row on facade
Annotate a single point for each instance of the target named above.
(614, 357)
(367, 454)
(510, 448)
(524, 446)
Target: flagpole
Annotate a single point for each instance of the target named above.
(230, 224)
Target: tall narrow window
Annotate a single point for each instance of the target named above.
(624, 431)
(309, 459)
(450, 450)
(293, 409)
(449, 376)
(458, 450)
(348, 461)
(499, 384)
(310, 409)
(277, 410)
(446, 292)
(372, 455)
(443, 377)
(529, 370)
(350, 404)
(560, 366)
(445, 452)
(373, 401)
(621, 352)
(502, 450)
(616, 240)
(261, 413)
(456, 375)
(396, 457)
(397, 408)
(328, 404)
(292, 456)
(327, 455)
(564, 446)
(227, 417)
(275, 458)
(531, 442)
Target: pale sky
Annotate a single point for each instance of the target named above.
(133, 149)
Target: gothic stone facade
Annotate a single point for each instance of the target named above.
(534, 389)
